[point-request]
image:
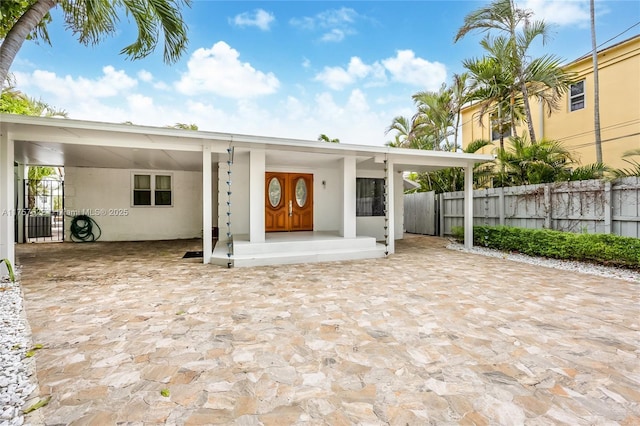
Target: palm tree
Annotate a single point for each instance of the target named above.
(185, 126)
(325, 138)
(634, 170)
(596, 85)
(460, 95)
(493, 84)
(502, 15)
(91, 21)
(410, 133)
(527, 163)
(435, 115)
(452, 179)
(13, 101)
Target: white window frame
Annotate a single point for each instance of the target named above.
(152, 178)
(582, 94)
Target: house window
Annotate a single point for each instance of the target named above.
(576, 96)
(499, 128)
(152, 189)
(369, 197)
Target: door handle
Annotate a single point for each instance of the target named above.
(290, 208)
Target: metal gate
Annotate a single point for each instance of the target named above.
(43, 210)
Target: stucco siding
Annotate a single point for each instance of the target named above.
(105, 195)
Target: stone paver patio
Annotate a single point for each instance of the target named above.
(427, 336)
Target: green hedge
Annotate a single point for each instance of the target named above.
(604, 249)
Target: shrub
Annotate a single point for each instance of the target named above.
(604, 249)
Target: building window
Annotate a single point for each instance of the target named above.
(576, 96)
(369, 197)
(152, 189)
(499, 128)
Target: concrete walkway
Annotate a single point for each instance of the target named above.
(427, 336)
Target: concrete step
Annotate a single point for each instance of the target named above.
(292, 257)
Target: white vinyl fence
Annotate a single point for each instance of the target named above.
(593, 206)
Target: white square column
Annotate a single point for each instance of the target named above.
(390, 232)
(348, 224)
(257, 170)
(207, 200)
(468, 206)
(19, 191)
(7, 207)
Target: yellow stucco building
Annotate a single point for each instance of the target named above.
(573, 123)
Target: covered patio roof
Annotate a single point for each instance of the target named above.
(64, 142)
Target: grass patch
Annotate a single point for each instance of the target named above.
(602, 249)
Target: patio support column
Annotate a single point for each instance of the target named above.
(348, 225)
(391, 211)
(468, 206)
(19, 191)
(207, 205)
(257, 169)
(7, 207)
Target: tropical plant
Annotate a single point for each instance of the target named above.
(325, 138)
(525, 162)
(596, 84)
(13, 101)
(435, 117)
(460, 95)
(36, 175)
(185, 126)
(634, 163)
(409, 133)
(542, 78)
(590, 171)
(92, 21)
(451, 179)
(7, 263)
(493, 85)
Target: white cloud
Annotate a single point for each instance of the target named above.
(145, 76)
(337, 78)
(112, 83)
(219, 71)
(405, 67)
(137, 101)
(336, 23)
(258, 18)
(335, 35)
(560, 12)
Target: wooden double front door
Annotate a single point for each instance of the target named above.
(288, 202)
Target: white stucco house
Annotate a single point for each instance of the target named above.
(269, 200)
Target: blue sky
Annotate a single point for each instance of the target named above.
(291, 68)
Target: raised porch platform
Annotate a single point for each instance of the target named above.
(296, 247)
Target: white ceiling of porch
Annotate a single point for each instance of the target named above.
(71, 155)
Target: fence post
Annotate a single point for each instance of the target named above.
(547, 206)
(501, 206)
(441, 213)
(608, 206)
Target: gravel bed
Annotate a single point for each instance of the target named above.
(567, 265)
(17, 371)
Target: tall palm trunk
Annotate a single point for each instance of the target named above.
(596, 86)
(523, 83)
(19, 33)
